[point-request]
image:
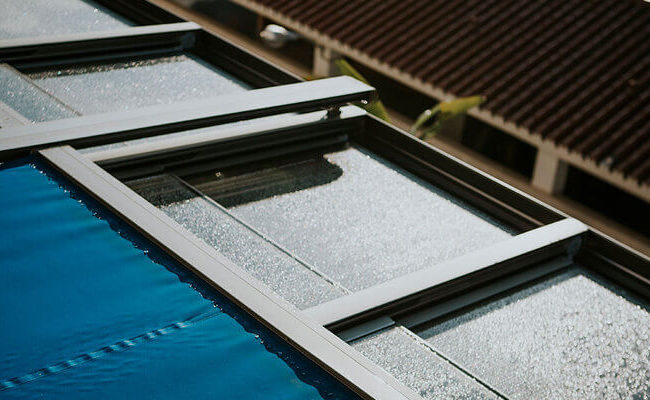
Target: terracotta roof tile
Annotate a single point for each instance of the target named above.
(574, 71)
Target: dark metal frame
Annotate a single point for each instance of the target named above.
(35, 53)
(550, 241)
(320, 345)
(32, 53)
(490, 271)
(139, 11)
(170, 35)
(315, 129)
(109, 127)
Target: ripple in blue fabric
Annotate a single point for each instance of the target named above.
(73, 283)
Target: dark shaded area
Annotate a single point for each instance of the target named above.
(615, 203)
(245, 184)
(499, 146)
(395, 95)
(157, 191)
(227, 13)
(249, 23)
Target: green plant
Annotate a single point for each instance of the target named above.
(375, 107)
(432, 121)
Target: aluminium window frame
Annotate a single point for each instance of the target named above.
(105, 128)
(557, 242)
(553, 246)
(314, 341)
(39, 52)
(571, 243)
(33, 53)
(550, 241)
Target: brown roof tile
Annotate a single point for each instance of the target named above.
(573, 71)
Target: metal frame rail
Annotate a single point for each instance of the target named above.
(549, 241)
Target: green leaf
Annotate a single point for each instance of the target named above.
(460, 105)
(375, 107)
(346, 69)
(432, 131)
(443, 111)
(424, 117)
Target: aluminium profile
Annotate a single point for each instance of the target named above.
(317, 343)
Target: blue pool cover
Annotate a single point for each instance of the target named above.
(90, 309)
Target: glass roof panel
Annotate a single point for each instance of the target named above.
(354, 216)
(573, 336)
(28, 18)
(411, 362)
(19, 92)
(288, 277)
(133, 84)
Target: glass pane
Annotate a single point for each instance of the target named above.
(289, 278)
(95, 89)
(356, 217)
(26, 18)
(411, 362)
(573, 336)
(27, 99)
(92, 310)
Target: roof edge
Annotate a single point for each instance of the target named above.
(618, 179)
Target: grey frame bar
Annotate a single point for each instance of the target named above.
(451, 277)
(214, 135)
(313, 340)
(155, 120)
(484, 292)
(140, 38)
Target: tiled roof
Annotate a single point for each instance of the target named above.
(576, 72)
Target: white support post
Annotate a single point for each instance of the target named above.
(324, 62)
(550, 172)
